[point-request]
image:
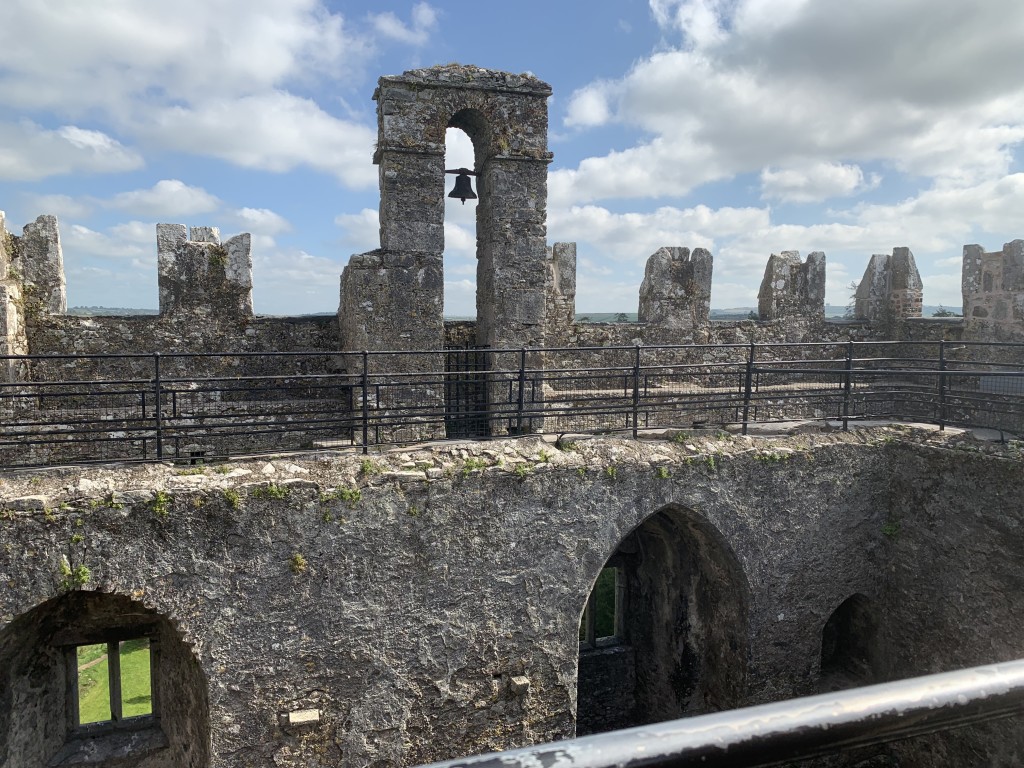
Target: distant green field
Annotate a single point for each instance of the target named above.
(93, 688)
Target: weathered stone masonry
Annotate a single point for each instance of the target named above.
(435, 607)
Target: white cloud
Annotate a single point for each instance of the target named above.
(220, 78)
(588, 107)
(424, 21)
(29, 152)
(167, 199)
(700, 21)
(814, 183)
(360, 231)
(110, 52)
(262, 221)
(139, 232)
(286, 278)
(274, 131)
(910, 84)
(61, 206)
(632, 237)
(78, 241)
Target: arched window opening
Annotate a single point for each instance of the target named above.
(849, 644)
(664, 631)
(103, 679)
(601, 625)
(459, 231)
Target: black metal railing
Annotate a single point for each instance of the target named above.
(773, 734)
(139, 407)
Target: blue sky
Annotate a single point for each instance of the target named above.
(744, 126)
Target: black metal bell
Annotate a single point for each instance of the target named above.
(463, 188)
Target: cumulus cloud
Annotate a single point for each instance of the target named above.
(220, 78)
(275, 131)
(285, 278)
(173, 51)
(61, 206)
(167, 199)
(424, 21)
(588, 107)
(360, 231)
(262, 221)
(814, 183)
(701, 22)
(83, 241)
(907, 84)
(29, 152)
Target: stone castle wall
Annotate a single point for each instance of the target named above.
(426, 604)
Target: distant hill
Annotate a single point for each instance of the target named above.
(731, 313)
(736, 313)
(110, 311)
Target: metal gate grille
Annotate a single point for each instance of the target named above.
(465, 391)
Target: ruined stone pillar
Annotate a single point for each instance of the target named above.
(891, 289)
(560, 293)
(676, 291)
(12, 320)
(791, 288)
(42, 267)
(993, 291)
(201, 278)
(512, 252)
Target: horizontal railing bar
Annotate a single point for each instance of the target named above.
(797, 729)
(903, 382)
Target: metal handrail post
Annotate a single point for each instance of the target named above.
(521, 402)
(366, 401)
(159, 409)
(748, 385)
(636, 390)
(942, 385)
(847, 386)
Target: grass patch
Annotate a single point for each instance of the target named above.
(93, 681)
(161, 503)
(351, 495)
(271, 491)
(473, 463)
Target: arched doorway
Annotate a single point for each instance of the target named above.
(680, 640)
(849, 645)
(89, 676)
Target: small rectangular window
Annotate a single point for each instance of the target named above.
(112, 682)
(136, 678)
(93, 684)
(601, 624)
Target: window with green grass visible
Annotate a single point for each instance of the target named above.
(113, 682)
(601, 624)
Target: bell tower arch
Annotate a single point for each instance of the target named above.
(394, 297)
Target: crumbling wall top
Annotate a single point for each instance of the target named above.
(676, 290)
(993, 290)
(792, 288)
(468, 76)
(201, 277)
(891, 288)
(5, 257)
(504, 114)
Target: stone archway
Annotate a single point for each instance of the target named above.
(682, 646)
(849, 645)
(40, 687)
(392, 297)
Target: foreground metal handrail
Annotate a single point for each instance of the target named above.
(788, 730)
